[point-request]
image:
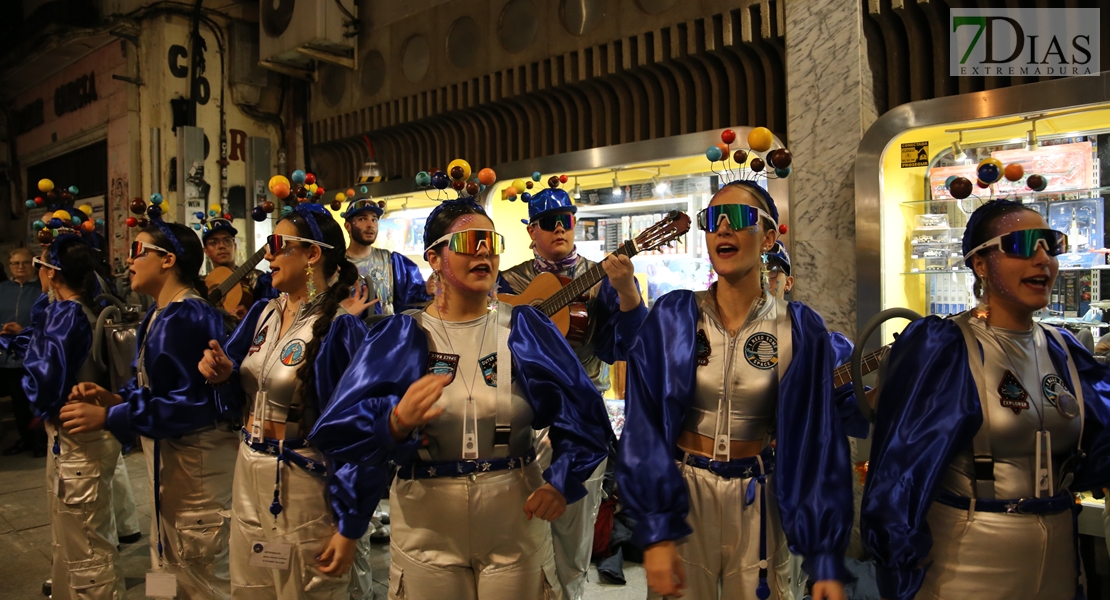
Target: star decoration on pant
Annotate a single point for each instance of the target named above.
(486, 466)
(431, 471)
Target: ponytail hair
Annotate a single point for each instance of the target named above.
(79, 263)
(335, 264)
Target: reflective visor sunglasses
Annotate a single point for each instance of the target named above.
(1024, 242)
(140, 248)
(739, 216)
(551, 222)
(38, 263)
(469, 241)
(277, 241)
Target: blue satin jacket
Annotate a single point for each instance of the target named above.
(928, 413)
(58, 347)
(355, 426)
(408, 285)
(853, 421)
(17, 343)
(346, 334)
(178, 400)
(812, 480)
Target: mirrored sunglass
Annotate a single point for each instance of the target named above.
(551, 222)
(470, 241)
(139, 248)
(739, 216)
(1024, 243)
(277, 241)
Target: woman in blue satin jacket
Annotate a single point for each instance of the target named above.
(189, 445)
(987, 422)
(427, 392)
(730, 397)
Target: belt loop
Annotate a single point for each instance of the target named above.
(759, 458)
(971, 511)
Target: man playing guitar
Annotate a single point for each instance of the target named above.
(615, 311)
(221, 247)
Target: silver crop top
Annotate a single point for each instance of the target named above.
(1016, 401)
(739, 375)
(470, 355)
(271, 367)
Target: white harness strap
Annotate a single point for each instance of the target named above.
(502, 431)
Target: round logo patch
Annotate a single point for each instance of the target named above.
(762, 351)
(293, 353)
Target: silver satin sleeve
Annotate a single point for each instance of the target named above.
(1013, 434)
(196, 474)
(86, 563)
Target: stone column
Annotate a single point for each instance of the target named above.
(830, 104)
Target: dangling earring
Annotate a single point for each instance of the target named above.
(50, 295)
(441, 300)
(983, 309)
(311, 283)
(491, 299)
(764, 273)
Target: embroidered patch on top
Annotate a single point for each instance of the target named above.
(259, 340)
(293, 353)
(1011, 393)
(1050, 386)
(488, 364)
(762, 350)
(440, 363)
(702, 344)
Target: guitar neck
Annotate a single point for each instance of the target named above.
(870, 362)
(241, 271)
(581, 284)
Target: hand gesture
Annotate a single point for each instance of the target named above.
(359, 299)
(622, 276)
(92, 393)
(338, 555)
(11, 328)
(417, 407)
(665, 575)
(546, 503)
(80, 417)
(215, 365)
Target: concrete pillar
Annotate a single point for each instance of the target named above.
(830, 104)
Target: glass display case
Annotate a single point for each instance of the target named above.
(923, 224)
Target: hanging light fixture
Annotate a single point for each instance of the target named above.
(576, 193)
(616, 186)
(1031, 142)
(958, 151)
(661, 188)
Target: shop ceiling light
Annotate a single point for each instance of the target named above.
(1031, 143)
(661, 188)
(616, 186)
(958, 152)
(576, 193)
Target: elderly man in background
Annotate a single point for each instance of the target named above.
(17, 295)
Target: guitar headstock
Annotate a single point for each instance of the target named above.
(670, 228)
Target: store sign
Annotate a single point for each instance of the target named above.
(75, 95)
(915, 154)
(1024, 42)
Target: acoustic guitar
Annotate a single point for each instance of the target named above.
(223, 284)
(870, 362)
(558, 297)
